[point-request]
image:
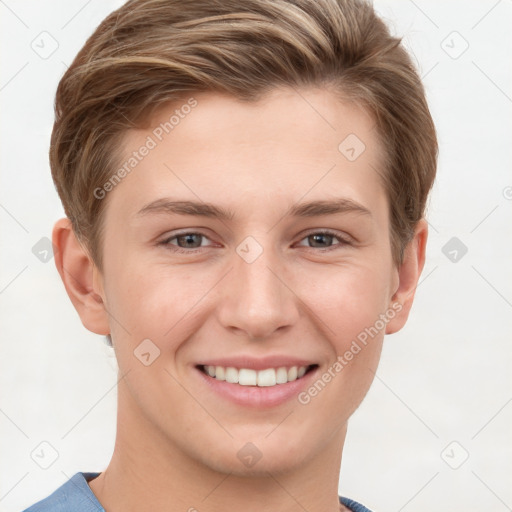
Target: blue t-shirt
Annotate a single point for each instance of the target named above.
(75, 495)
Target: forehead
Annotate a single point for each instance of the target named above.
(289, 144)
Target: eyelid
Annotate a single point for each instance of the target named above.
(327, 231)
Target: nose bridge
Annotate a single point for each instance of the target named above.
(257, 301)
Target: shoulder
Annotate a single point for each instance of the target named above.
(354, 506)
(75, 495)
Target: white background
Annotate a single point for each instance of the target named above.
(445, 378)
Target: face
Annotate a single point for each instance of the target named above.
(279, 275)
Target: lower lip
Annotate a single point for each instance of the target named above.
(256, 396)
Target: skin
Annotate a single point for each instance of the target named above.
(177, 440)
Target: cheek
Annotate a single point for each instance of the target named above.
(353, 305)
(347, 299)
(350, 308)
(154, 302)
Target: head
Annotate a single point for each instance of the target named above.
(251, 110)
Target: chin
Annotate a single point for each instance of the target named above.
(256, 459)
(263, 468)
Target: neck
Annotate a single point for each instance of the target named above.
(149, 472)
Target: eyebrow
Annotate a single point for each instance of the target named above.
(308, 209)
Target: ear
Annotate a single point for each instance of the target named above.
(81, 278)
(408, 277)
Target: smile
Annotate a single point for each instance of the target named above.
(262, 378)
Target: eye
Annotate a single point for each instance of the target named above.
(191, 242)
(186, 242)
(321, 239)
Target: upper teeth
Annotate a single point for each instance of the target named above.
(247, 377)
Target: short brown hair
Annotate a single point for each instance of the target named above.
(152, 52)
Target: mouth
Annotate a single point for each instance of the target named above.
(264, 378)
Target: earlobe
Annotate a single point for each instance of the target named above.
(77, 271)
(408, 277)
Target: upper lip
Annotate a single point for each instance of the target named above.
(259, 363)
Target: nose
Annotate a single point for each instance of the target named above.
(257, 297)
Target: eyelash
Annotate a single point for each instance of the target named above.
(174, 248)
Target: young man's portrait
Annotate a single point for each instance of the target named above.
(256, 256)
